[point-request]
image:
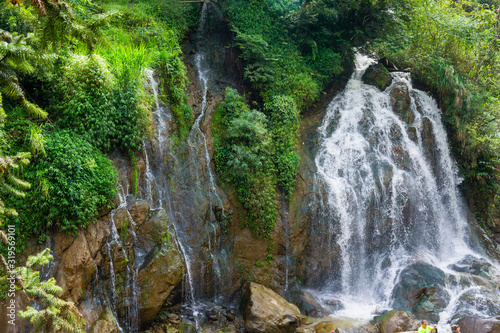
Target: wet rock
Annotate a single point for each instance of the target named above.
(267, 312)
(139, 211)
(174, 319)
(325, 328)
(160, 273)
(429, 145)
(475, 266)
(395, 321)
(401, 103)
(412, 134)
(486, 301)
(377, 75)
(226, 330)
(474, 324)
(420, 290)
(212, 315)
(105, 324)
(153, 231)
(401, 157)
(307, 303)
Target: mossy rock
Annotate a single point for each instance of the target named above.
(378, 76)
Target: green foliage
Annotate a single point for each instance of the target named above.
(243, 158)
(452, 46)
(135, 172)
(94, 103)
(173, 77)
(259, 263)
(297, 50)
(70, 185)
(56, 314)
(284, 123)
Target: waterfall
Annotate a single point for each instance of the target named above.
(392, 194)
(199, 153)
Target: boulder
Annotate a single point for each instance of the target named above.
(267, 312)
(160, 273)
(325, 328)
(307, 303)
(377, 75)
(420, 290)
(395, 321)
(401, 103)
(483, 325)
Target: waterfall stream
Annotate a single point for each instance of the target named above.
(392, 195)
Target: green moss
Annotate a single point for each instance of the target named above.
(135, 172)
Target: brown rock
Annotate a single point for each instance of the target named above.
(268, 312)
(397, 321)
(95, 235)
(325, 328)
(161, 272)
(5, 318)
(105, 324)
(75, 269)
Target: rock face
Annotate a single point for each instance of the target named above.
(267, 312)
(377, 75)
(420, 290)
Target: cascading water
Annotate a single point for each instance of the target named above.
(130, 297)
(391, 194)
(199, 153)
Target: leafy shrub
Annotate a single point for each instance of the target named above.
(69, 185)
(284, 124)
(93, 103)
(243, 158)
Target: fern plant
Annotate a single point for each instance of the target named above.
(56, 314)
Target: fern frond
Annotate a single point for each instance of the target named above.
(13, 191)
(18, 182)
(40, 259)
(34, 110)
(37, 141)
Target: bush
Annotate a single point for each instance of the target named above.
(69, 186)
(91, 101)
(243, 158)
(284, 123)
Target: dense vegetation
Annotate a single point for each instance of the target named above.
(84, 93)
